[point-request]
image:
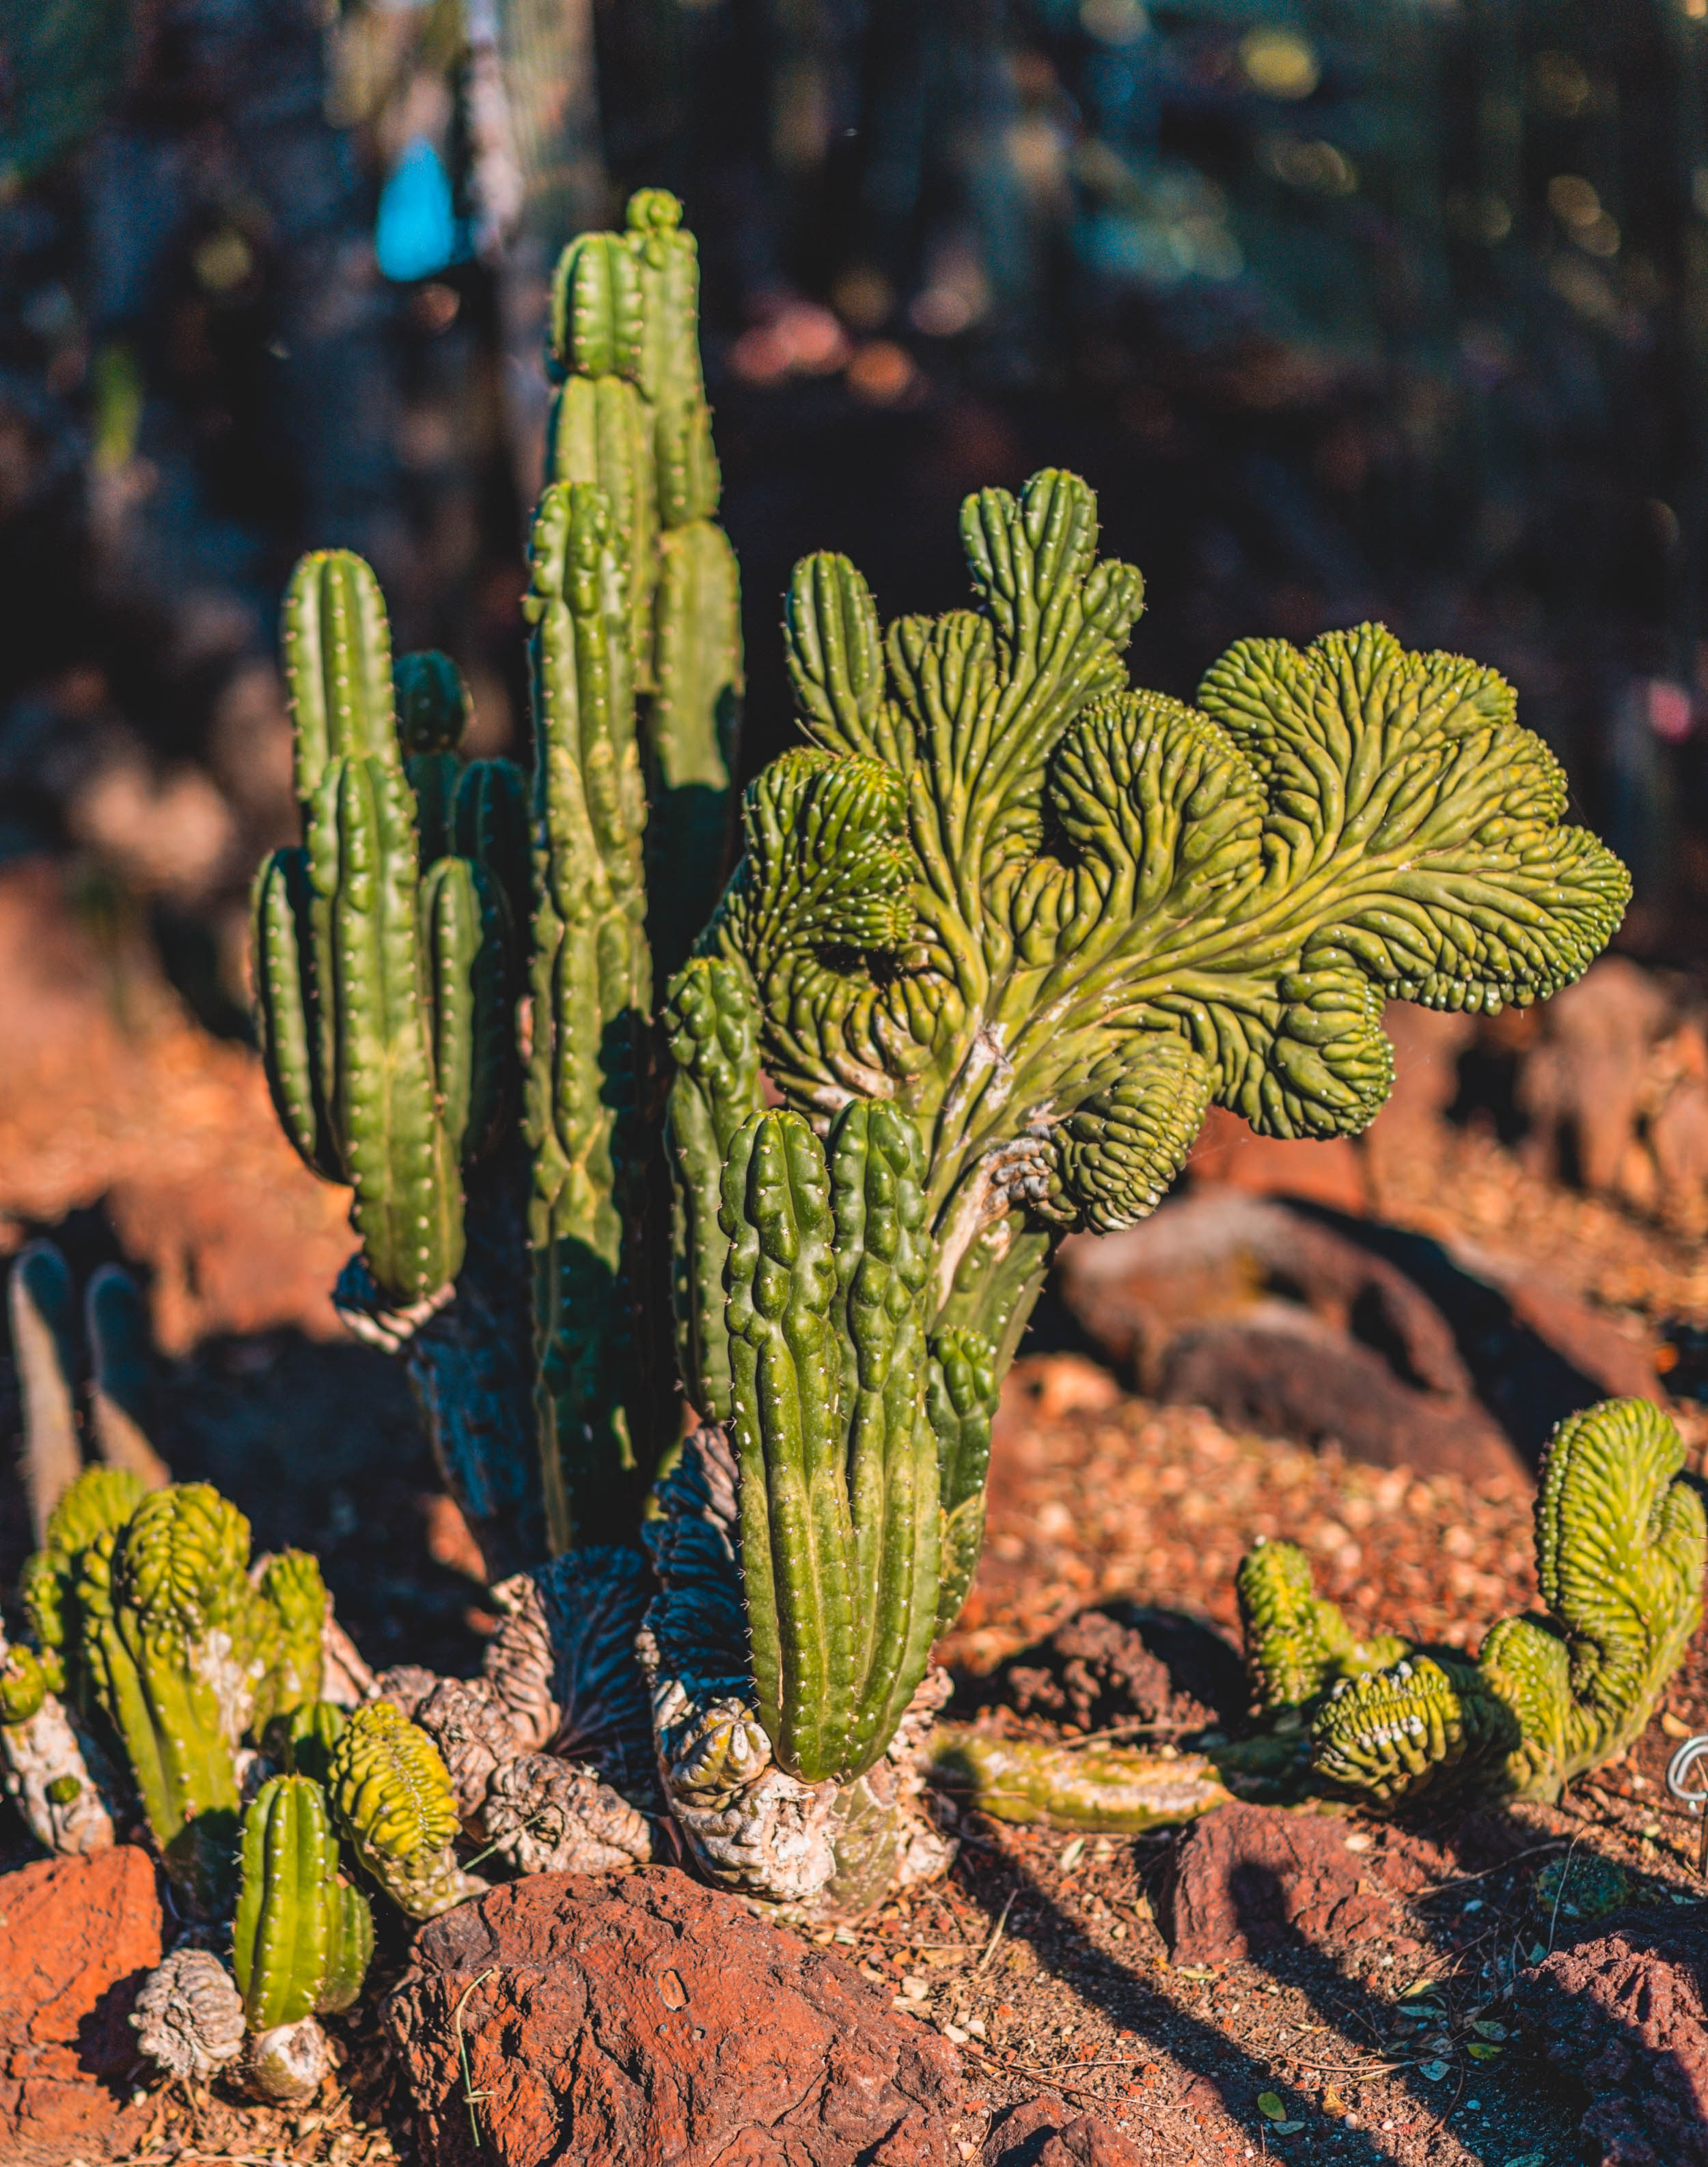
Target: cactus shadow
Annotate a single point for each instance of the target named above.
(1129, 2002)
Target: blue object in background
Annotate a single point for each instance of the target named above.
(417, 232)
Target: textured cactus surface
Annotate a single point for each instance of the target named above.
(189, 2016)
(147, 1614)
(1619, 1554)
(392, 1794)
(1296, 1644)
(302, 1936)
(384, 961)
(1112, 1789)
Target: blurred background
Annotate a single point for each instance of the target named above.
(1346, 307)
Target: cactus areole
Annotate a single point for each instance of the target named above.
(1001, 930)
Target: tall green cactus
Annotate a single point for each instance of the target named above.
(1003, 930)
(384, 984)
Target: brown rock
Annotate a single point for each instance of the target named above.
(78, 1936)
(1624, 2015)
(1045, 2132)
(1229, 1153)
(1247, 1878)
(649, 2019)
(1121, 1663)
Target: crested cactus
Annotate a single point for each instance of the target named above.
(188, 2017)
(1002, 930)
(148, 1618)
(1619, 1555)
(392, 1794)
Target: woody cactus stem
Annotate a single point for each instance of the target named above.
(1620, 1553)
(383, 988)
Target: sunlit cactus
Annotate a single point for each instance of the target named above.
(1619, 1555)
(392, 1795)
(302, 1936)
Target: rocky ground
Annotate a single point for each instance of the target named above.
(1312, 1986)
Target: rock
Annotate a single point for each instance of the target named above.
(1285, 1319)
(1624, 2015)
(1244, 1879)
(645, 2018)
(1230, 1154)
(78, 1938)
(1045, 2133)
(1280, 1321)
(1122, 1663)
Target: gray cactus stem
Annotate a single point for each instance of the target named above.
(814, 1849)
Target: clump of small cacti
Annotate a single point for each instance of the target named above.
(1002, 930)
(1619, 1555)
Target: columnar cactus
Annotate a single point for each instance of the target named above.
(1619, 1554)
(302, 1936)
(147, 1616)
(384, 985)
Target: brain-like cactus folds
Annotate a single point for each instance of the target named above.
(1620, 1552)
(392, 1794)
(1296, 1644)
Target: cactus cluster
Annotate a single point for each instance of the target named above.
(1002, 929)
(1620, 1556)
(1621, 1544)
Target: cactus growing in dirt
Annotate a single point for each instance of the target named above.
(1002, 930)
(302, 1935)
(391, 1791)
(1619, 1554)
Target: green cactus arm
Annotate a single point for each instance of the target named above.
(883, 1269)
(1296, 1643)
(1619, 1554)
(711, 1021)
(433, 778)
(597, 320)
(961, 1397)
(282, 1929)
(601, 435)
(432, 701)
(796, 1535)
(467, 947)
(1112, 1790)
(368, 966)
(391, 1792)
(287, 1014)
(290, 1583)
(97, 1505)
(350, 1948)
(590, 999)
(692, 720)
(490, 825)
(337, 666)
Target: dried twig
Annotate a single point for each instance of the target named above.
(984, 1964)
